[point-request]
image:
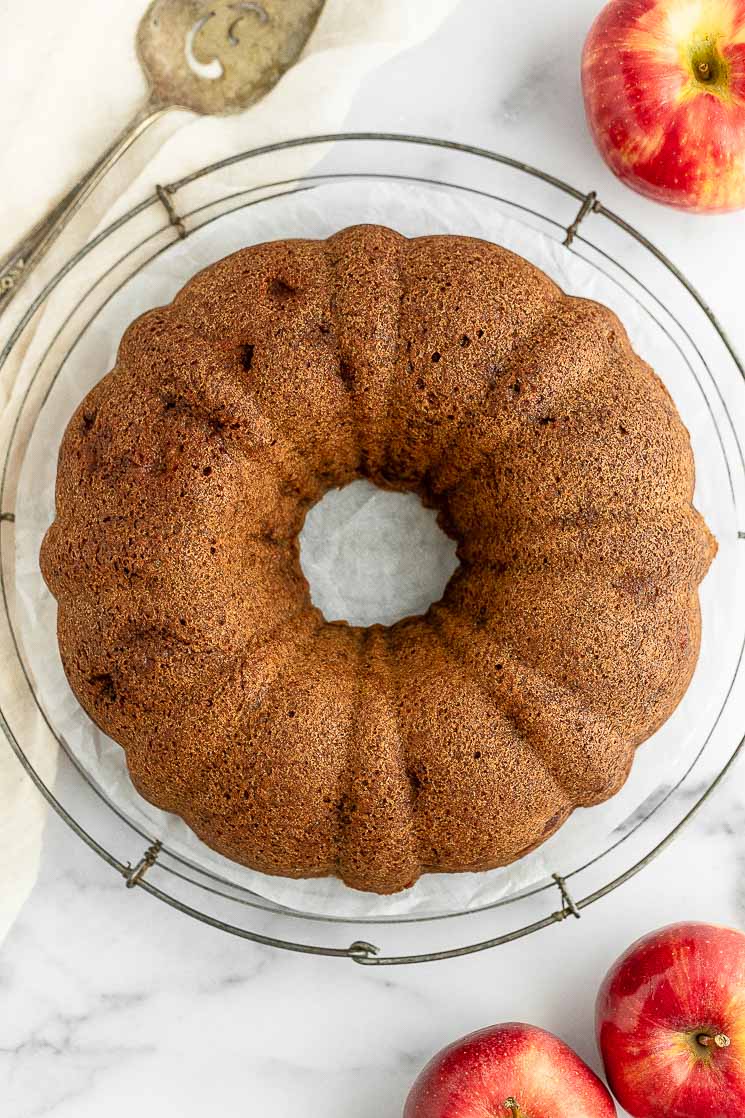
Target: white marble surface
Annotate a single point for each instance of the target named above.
(112, 1003)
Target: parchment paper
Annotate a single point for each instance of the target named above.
(350, 573)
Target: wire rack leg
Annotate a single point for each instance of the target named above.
(568, 905)
(148, 859)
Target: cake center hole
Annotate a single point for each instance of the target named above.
(373, 557)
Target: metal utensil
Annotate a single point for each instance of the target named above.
(214, 58)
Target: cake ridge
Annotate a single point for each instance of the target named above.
(368, 298)
(395, 354)
(345, 799)
(465, 304)
(404, 755)
(377, 823)
(279, 434)
(456, 432)
(569, 311)
(341, 357)
(240, 443)
(284, 439)
(571, 695)
(571, 542)
(482, 682)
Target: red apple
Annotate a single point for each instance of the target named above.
(509, 1071)
(671, 1024)
(664, 87)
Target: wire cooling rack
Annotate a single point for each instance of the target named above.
(578, 223)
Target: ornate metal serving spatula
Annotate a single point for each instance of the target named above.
(208, 58)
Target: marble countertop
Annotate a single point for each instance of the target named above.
(115, 1004)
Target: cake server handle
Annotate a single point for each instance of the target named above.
(16, 267)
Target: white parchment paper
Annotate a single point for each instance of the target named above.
(356, 545)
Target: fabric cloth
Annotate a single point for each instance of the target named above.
(75, 81)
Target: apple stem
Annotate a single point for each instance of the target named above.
(721, 1040)
(513, 1105)
(704, 71)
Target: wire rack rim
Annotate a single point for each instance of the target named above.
(361, 952)
(250, 897)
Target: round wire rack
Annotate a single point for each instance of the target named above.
(712, 380)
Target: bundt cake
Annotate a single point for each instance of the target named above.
(458, 740)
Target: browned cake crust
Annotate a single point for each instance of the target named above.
(454, 741)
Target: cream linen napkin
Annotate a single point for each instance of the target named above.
(62, 106)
